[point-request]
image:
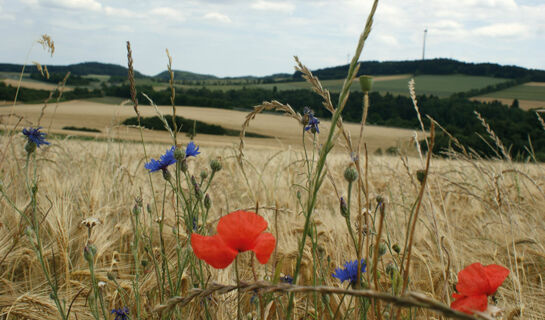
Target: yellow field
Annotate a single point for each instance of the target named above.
(284, 131)
(523, 104)
(32, 84)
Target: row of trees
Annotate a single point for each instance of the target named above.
(515, 127)
(431, 66)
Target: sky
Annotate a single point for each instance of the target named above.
(260, 37)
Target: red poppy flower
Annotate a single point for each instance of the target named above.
(238, 231)
(475, 283)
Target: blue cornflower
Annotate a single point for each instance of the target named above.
(286, 279)
(349, 271)
(191, 150)
(166, 160)
(35, 136)
(121, 313)
(311, 122)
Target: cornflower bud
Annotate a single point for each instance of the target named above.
(194, 181)
(111, 276)
(215, 165)
(207, 202)
(183, 165)
(344, 208)
(30, 147)
(136, 210)
(396, 248)
(89, 252)
(382, 249)
(204, 174)
(350, 174)
(179, 155)
(390, 269)
(166, 174)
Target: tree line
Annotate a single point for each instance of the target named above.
(515, 127)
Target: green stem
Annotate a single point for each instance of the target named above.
(239, 316)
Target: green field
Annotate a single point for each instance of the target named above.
(439, 85)
(522, 92)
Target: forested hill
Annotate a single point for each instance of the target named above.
(432, 66)
(184, 75)
(80, 69)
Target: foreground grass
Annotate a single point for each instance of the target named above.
(473, 210)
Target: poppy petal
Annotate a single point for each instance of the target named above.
(472, 281)
(239, 229)
(470, 304)
(264, 246)
(212, 250)
(496, 276)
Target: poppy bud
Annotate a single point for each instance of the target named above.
(298, 194)
(344, 208)
(421, 175)
(30, 147)
(148, 208)
(207, 202)
(215, 165)
(1, 186)
(350, 174)
(396, 248)
(111, 276)
(179, 155)
(366, 83)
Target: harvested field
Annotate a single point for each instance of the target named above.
(106, 117)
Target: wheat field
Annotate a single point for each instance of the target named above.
(473, 210)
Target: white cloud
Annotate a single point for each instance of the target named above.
(286, 7)
(120, 12)
(91, 5)
(503, 30)
(387, 40)
(217, 17)
(168, 13)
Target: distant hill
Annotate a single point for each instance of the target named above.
(76, 69)
(431, 66)
(184, 75)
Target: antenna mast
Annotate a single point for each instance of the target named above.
(424, 45)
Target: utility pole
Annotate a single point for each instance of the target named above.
(424, 45)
